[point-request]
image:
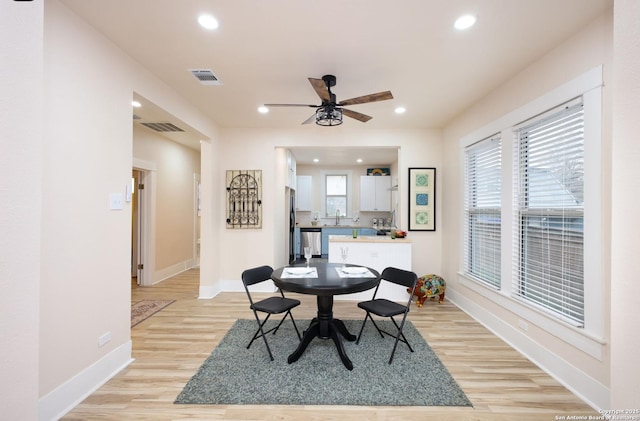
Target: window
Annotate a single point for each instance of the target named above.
(336, 195)
(552, 213)
(482, 200)
(549, 211)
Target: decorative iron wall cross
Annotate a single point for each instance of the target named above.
(244, 199)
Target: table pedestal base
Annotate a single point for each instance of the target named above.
(324, 327)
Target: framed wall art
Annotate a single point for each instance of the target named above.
(244, 199)
(422, 199)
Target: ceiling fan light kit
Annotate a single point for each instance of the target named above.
(330, 113)
(328, 116)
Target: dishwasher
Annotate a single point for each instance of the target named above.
(311, 237)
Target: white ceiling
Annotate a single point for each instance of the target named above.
(264, 51)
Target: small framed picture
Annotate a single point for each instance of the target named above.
(422, 199)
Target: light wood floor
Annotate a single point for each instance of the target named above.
(170, 346)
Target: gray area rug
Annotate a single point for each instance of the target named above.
(233, 374)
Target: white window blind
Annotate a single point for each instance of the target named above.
(549, 212)
(482, 210)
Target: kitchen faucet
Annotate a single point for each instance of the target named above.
(337, 216)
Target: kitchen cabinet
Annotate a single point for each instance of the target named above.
(362, 232)
(291, 170)
(375, 194)
(303, 192)
(347, 231)
(326, 232)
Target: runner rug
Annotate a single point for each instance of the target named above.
(233, 374)
(144, 309)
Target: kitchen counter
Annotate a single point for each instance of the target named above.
(345, 231)
(368, 239)
(377, 252)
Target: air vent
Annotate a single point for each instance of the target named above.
(163, 127)
(136, 117)
(205, 76)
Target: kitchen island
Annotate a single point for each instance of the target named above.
(377, 252)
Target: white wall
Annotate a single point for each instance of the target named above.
(85, 283)
(567, 360)
(85, 264)
(256, 149)
(210, 217)
(21, 125)
(625, 288)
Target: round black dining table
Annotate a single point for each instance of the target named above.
(328, 284)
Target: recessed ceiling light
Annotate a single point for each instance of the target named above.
(136, 104)
(359, 160)
(464, 22)
(208, 22)
(400, 110)
(316, 160)
(263, 110)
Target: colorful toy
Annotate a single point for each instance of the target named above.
(429, 286)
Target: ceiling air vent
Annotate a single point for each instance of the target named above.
(136, 117)
(205, 76)
(163, 127)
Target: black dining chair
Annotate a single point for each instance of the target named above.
(272, 305)
(386, 308)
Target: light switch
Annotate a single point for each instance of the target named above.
(116, 201)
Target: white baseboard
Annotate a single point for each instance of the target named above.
(392, 292)
(580, 383)
(208, 292)
(55, 404)
(235, 285)
(173, 270)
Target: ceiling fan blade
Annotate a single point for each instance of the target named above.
(291, 105)
(380, 96)
(358, 116)
(321, 89)
(311, 119)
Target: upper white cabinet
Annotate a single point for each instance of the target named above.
(375, 194)
(303, 192)
(291, 170)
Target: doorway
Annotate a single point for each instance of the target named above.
(136, 227)
(142, 223)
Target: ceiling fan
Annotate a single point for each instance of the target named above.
(330, 112)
